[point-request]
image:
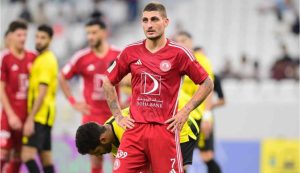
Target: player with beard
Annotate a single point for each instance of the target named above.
(91, 64)
(157, 66)
(15, 63)
(41, 105)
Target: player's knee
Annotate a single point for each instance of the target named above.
(27, 153)
(4, 154)
(46, 158)
(185, 167)
(207, 155)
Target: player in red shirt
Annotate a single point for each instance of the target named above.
(91, 63)
(15, 64)
(157, 66)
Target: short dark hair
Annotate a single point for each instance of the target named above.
(155, 6)
(184, 33)
(6, 33)
(87, 137)
(198, 48)
(95, 21)
(47, 29)
(15, 25)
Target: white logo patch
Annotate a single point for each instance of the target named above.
(121, 154)
(117, 164)
(90, 67)
(66, 69)
(138, 62)
(112, 67)
(150, 84)
(14, 67)
(165, 66)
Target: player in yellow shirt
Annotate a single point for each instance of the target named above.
(204, 118)
(95, 139)
(41, 105)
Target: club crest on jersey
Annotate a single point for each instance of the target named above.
(90, 67)
(165, 66)
(15, 67)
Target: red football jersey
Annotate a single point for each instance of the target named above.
(156, 79)
(14, 72)
(92, 68)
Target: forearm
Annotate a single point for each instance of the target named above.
(111, 98)
(65, 86)
(208, 102)
(38, 102)
(5, 102)
(200, 95)
(66, 89)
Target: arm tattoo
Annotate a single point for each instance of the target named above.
(112, 100)
(201, 94)
(113, 105)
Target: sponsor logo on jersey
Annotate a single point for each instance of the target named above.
(165, 66)
(150, 84)
(138, 62)
(98, 92)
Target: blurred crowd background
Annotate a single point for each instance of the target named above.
(252, 44)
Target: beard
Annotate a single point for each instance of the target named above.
(97, 44)
(40, 48)
(107, 147)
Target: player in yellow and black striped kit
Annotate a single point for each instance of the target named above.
(95, 139)
(41, 105)
(204, 118)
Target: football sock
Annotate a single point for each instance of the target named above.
(213, 167)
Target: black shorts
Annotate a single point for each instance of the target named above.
(187, 150)
(41, 139)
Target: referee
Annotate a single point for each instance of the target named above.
(41, 105)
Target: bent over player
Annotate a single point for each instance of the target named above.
(91, 64)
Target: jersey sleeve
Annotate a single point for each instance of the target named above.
(71, 68)
(190, 67)
(3, 66)
(119, 68)
(46, 73)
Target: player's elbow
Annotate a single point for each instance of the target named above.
(222, 102)
(209, 85)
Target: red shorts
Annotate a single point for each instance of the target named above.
(149, 145)
(9, 138)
